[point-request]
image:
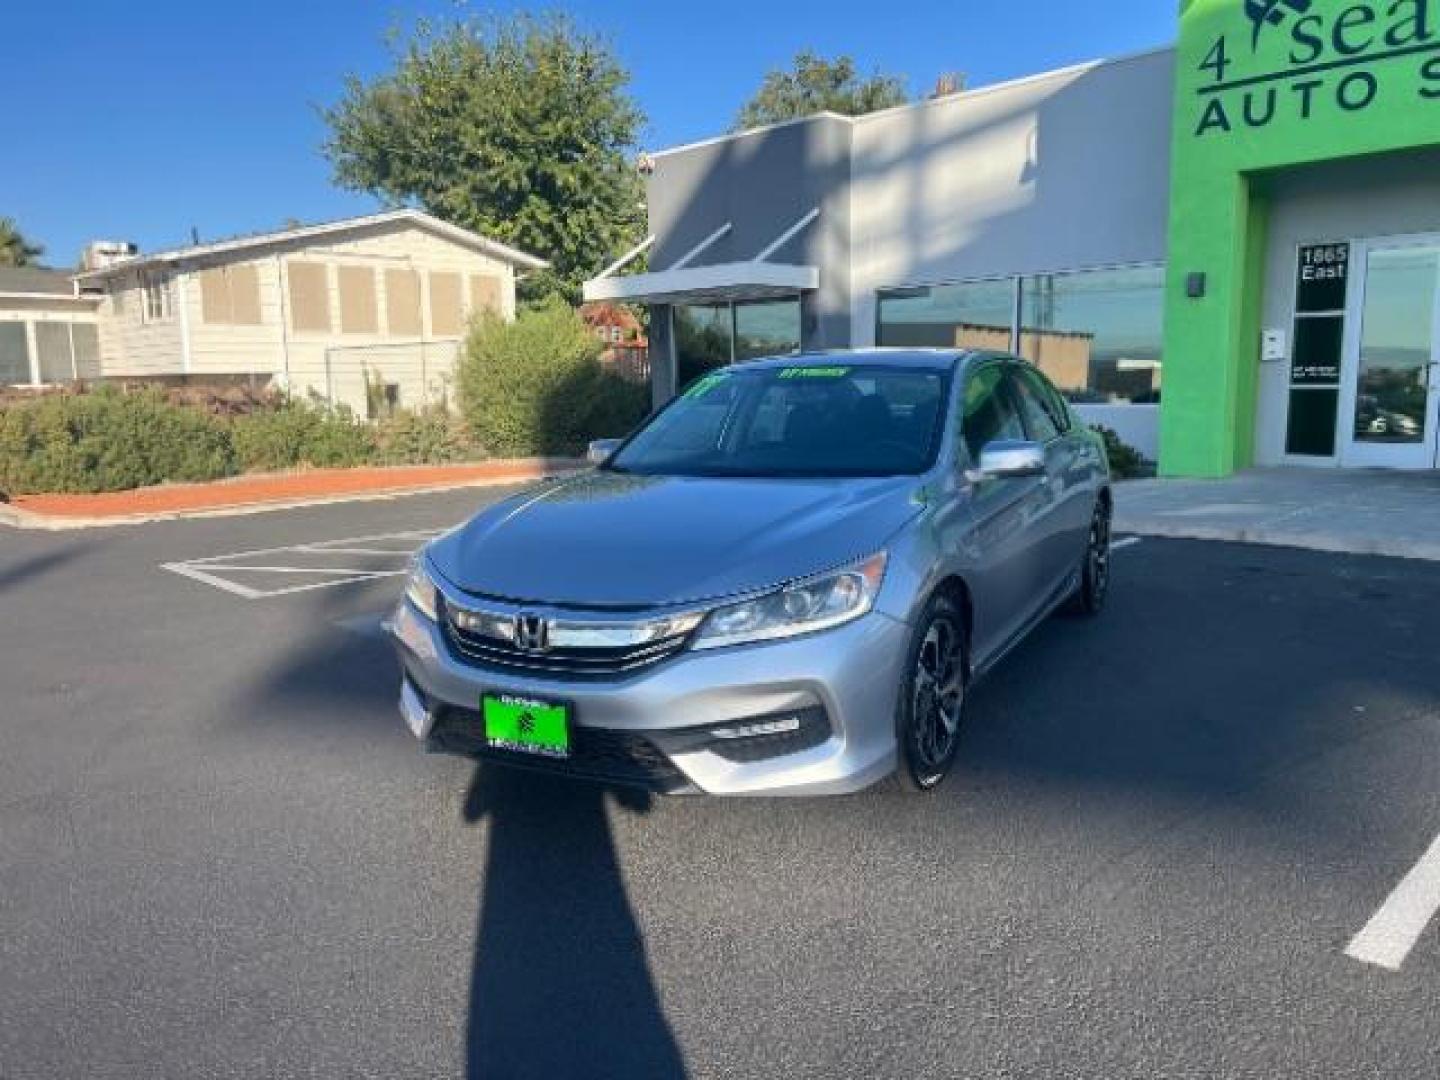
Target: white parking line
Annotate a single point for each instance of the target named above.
(216, 570)
(417, 534)
(185, 570)
(1393, 930)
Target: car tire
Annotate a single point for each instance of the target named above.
(1090, 595)
(937, 667)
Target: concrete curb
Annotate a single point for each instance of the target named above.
(16, 518)
(1386, 546)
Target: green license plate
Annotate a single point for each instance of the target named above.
(526, 725)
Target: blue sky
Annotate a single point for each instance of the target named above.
(138, 121)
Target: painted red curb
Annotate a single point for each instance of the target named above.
(317, 484)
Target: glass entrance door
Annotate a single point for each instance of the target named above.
(1388, 417)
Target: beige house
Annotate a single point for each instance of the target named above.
(381, 300)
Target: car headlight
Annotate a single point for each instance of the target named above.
(802, 608)
(420, 589)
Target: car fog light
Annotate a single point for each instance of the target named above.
(766, 727)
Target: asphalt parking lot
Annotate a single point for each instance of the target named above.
(1190, 839)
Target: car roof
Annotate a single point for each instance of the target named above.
(924, 359)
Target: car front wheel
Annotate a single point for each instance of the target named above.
(932, 699)
(1089, 597)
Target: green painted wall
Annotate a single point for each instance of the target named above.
(1265, 85)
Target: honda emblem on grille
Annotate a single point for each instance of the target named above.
(532, 633)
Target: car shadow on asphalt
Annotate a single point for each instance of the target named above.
(26, 571)
(560, 983)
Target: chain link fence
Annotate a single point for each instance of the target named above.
(375, 380)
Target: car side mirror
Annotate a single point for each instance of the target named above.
(599, 450)
(1006, 459)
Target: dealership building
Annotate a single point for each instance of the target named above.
(1228, 250)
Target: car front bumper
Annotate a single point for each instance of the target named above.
(851, 672)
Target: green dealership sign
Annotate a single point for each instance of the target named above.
(1297, 60)
(1264, 86)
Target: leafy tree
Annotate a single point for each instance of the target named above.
(518, 127)
(15, 250)
(819, 85)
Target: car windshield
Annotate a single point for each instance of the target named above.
(801, 421)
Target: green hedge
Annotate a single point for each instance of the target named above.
(530, 387)
(299, 433)
(113, 441)
(108, 441)
(536, 386)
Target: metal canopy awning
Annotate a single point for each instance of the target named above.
(681, 283)
(706, 284)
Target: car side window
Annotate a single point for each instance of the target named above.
(1030, 393)
(1059, 410)
(990, 413)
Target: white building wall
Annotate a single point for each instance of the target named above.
(1065, 171)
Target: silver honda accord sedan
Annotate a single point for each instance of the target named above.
(784, 583)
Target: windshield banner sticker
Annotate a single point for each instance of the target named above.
(815, 373)
(705, 385)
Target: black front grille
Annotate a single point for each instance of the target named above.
(569, 663)
(618, 757)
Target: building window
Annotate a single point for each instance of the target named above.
(358, 310)
(484, 293)
(968, 315)
(767, 328)
(14, 354)
(54, 352)
(445, 315)
(708, 336)
(309, 289)
(230, 295)
(704, 341)
(85, 340)
(155, 296)
(1096, 333)
(402, 303)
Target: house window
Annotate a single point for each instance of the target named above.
(53, 349)
(358, 314)
(155, 296)
(402, 303)
(309, 289)
(85, 339)
(230, 295)
(445, 315)
(484, 293)
(66, 351)
(14, 354)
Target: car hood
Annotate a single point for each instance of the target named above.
(603, 539)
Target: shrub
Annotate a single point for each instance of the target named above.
(1126, 463)
(431, 437)
(296, 433)
(108, 441)
(535, 386)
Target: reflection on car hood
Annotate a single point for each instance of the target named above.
(613, 540)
